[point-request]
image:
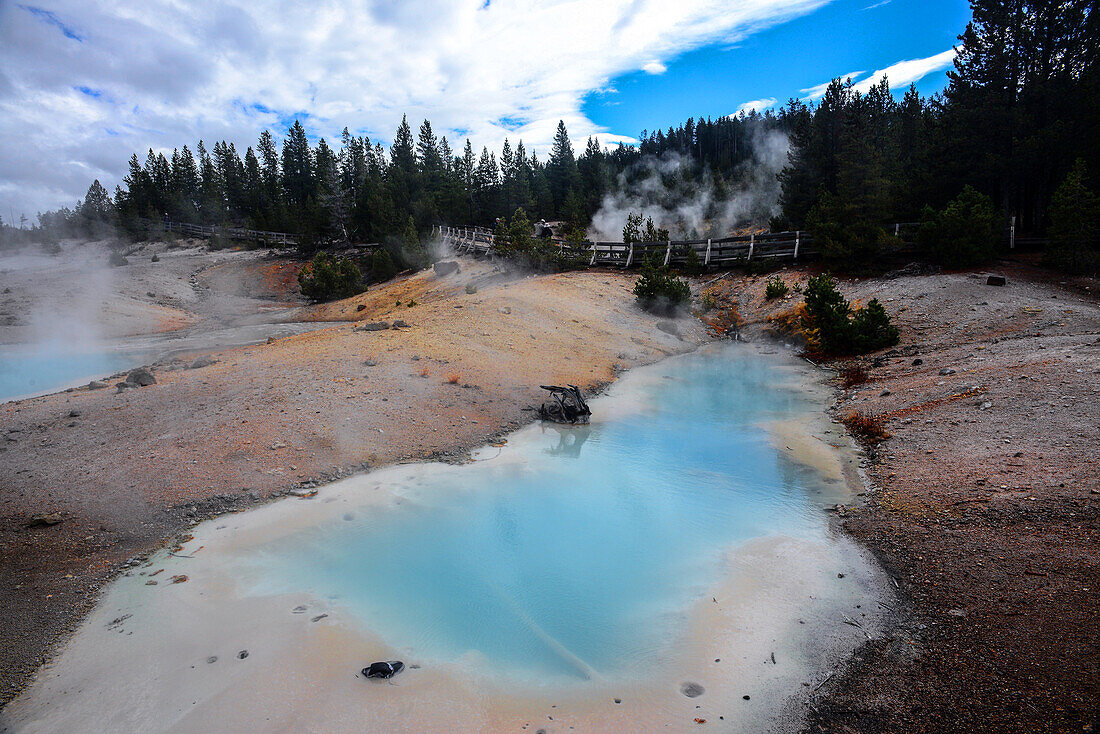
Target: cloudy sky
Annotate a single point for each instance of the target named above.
(85, 84)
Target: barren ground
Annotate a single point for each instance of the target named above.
(982, 504)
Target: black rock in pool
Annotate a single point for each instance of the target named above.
(384, 669)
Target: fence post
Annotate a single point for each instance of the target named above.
(897, 229)
(668, 253)
(1012, 234)
(593, 260)
(707, 260)
(752, 244)
(630, 255)
(797, 237)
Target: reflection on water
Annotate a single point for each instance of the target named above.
(570, 440)
(551, 560)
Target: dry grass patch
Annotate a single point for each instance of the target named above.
(867, 428)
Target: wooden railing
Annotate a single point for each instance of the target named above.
(233, 233)
(711, 253)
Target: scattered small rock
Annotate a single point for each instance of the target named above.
(361, 307)
(947, 371)
(918, 362)
(374, 326)
(400, 324)
(242, 654)
(204, 361)
(97, 385)
(505, 309)
(996, 280)
(884, 393)
(212, 659)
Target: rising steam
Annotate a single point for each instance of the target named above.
(688, 204)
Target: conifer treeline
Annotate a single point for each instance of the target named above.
(1021, 106)
(364, 192)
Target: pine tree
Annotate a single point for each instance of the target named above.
(297, 166)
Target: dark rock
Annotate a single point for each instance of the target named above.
(445, 267)
(74, 413)
(384, 669)
(361, 307)
(204, 361)
(97, 385)
(212, 659)
(918, 362)
(242, 654)
(374, 326)
(141, 377)
(947, 371)
(996, 280)
(41, 521)
(400, 324)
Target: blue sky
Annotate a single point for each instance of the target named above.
(83, 85)
(781, 61)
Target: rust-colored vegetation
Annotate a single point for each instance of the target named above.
(453, 378)
(852, 375)
(425, 372)
(867, 428)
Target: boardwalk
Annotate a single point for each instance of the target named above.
(711, 253)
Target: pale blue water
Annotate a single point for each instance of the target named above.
(581, 549)
(27, 374)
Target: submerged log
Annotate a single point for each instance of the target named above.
(565, 405)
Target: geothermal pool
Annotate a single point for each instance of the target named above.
(24, 373)
(576, 551)
(585, 574)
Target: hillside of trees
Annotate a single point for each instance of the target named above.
(1015, 133)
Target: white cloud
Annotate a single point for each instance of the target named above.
(757, 104)
(654, 67)
(160, 73)
(901, 74)
(817, 92)
(905, 73)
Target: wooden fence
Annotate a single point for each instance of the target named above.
(232, 233)
(711, 253)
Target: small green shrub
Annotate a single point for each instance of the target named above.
(1074, 225)
(831, 327)
(965, 233)
(326, 278)
(659, 290)
(381, 266)
(155, 258)
(776, 288)
(471, 289)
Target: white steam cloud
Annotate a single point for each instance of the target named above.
(689, 207)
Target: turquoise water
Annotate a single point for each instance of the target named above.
(28, 374)
(575, 551)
